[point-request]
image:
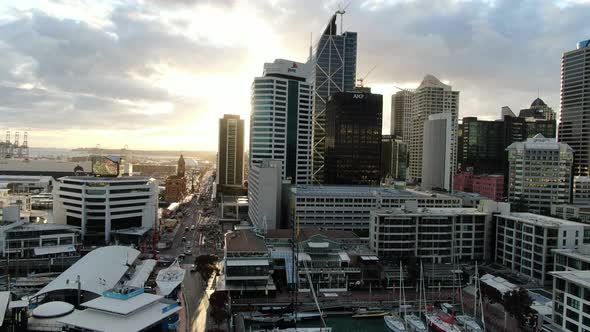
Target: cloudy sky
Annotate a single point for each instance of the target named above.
(157, 74)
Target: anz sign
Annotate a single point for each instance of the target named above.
(358, 96)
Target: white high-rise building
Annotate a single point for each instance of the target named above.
(437, 159)
(401, 111)
(431, 97)
(281, 119)
(539, 173)
(264, 194)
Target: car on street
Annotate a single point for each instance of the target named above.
(188, 252)
(186, 229)
(193, 268)
(183, 239)
(181, 257)
(192, 227)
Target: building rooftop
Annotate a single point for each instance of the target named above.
(122, 306)
(100, 270)
(244, 241)
(38, 227)
(431, 211)
(581, 278)
(43, 165)
(98, 320)
(539, 142)
(582, 252)
(366, 191)
(306, 233)
(540, 220)
(104, 179)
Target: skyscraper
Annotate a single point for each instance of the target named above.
(353, 138)
(333, 70)
(230, 153)
(540, 174)
(574, 128)
(394, 158)
(401, 107)
(431, 97)
(540, 119)
(281, 119)
(481, 146)
(437, 162)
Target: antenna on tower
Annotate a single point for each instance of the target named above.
(342, 11)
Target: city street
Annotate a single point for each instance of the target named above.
(193, 286)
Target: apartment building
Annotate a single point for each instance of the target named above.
(437, 235)
(524, 242)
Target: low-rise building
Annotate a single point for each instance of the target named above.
(579, 213)
(571, 300)
(330, 260)
(349, 207)
(577, 259)
(247, 268)
(437, 235)
(31, 240)
(524, 242)
(581, 192)
(491, 186)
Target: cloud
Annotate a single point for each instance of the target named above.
(156, 67)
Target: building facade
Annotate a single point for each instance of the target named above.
(431, 97)
(491, 186)
(581, 192)
(572, 212)
(176, 184)
(328, 260)
(349, 207)
(100, 206)
(394, 158)
(480, 146)
(281, 119)
(401, 108)
(571, 300)
(230, 152)
(247, 268)
(437, 158)
(432, 235)
(264, 194)
(538, 111)
(524, 242)
(352, 154)
(539, 174)
(574, 129)
(333, 61)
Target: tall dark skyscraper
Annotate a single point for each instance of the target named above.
(353, 138)
(230, 154)
(574, 128)
(333, 70)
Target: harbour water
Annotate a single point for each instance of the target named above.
(348, 324)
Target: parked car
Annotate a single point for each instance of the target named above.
(193, 268)
(188, 252)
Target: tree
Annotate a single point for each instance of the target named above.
(518, 304)
(217, 302)
(206, 265)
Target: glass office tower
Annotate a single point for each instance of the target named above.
(353, 138)
(333, 70)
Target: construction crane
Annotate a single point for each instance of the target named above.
(362, 79)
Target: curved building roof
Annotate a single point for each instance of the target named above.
(100, 270)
